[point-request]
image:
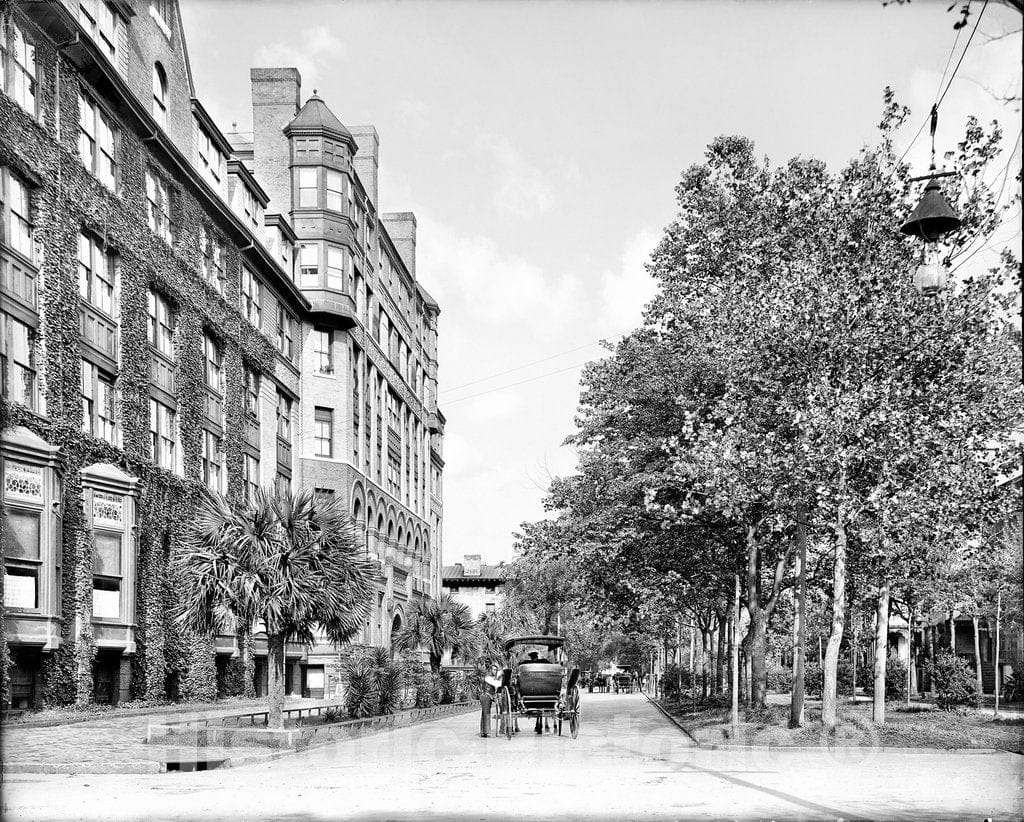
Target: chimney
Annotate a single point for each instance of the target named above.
(367, 158)
(401, 228)
(471, 565)
(275, 102)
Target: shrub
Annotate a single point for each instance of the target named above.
(952, 680)
(895, 679)
(780, 678)
(671, 678)
(813, 679)
(844, 677)
(760, 715)
(373, 683)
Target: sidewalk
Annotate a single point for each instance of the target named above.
(116, 744)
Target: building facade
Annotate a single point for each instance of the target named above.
(181, 308)
(480, 587)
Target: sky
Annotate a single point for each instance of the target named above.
(539, 144)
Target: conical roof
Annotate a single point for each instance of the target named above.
(316, 118)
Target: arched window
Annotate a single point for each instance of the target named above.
(160, 95)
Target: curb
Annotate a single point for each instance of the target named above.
(704, 746)
(674, 721)
(148, 766)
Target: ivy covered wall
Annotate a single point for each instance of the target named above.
(68, 200)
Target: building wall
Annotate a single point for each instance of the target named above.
(66, 646)
(477, 597)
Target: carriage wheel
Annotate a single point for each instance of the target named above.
(574, 717)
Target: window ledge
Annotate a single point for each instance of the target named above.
(161, 24)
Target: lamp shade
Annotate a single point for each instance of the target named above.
(933, 216)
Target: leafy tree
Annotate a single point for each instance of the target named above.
(289, 560)
(440, 626)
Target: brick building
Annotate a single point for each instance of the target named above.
(183, 307)
(477, 585)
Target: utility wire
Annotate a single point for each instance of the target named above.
(514, 384)
(518, 368)
(940, 97)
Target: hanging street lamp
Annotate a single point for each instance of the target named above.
(933, 218)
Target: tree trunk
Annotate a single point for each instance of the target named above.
(758, 645)
(911, 655)
(248, 664)
(998, 675)
(853, 651)
(835, 637)
(881, 641)
(435, 663)
(276, 682)
(705, 650)
(720, 661)
(734, 637)
(931, 654)
(952, 634)
(796, 703)
(977, 659)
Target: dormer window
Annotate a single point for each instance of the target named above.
(160, 95)
(101, 22)
(211, 160)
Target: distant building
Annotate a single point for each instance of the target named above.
(475, 584)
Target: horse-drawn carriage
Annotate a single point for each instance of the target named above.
(538, 686)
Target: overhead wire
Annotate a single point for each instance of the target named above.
(514, 384)
(519, 367)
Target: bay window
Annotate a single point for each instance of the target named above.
(335, 186)
(309, 265)
(309, 187)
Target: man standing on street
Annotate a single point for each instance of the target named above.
(491, 684)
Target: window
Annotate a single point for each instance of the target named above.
(97, 136)
(163, 437)
(323, 353)
(18, 355)
(309, 265)
(213, 369)
(251, 398)
(108, 534)
(489, 607)
(18, 66)
(309, 188)
(252, 297)
(250, 209)
(160, 95)
(285, 333)
(250, 474)
(213, 163)
(284, 417)
(17, 225)
(101, 22)
(99, 403)
(335, 185)
(213, 259)
(394, 475)
(162, 8)
(282, 484)
(213, 468)
(323, 432)
(161, 324)
(158, 196)
(96, 273)
(339, 266)
(393, 404)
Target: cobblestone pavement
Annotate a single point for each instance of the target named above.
(628, 763)
(107, 741)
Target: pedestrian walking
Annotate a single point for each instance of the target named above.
(491, 684)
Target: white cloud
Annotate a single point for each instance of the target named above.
(312, 54)
(626, 291)
(412, 114)
(476, 280)
(521, 189)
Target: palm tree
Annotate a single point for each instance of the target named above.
(288, 559)
(439, 625)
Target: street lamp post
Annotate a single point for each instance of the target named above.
(930, 221)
